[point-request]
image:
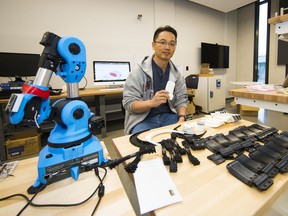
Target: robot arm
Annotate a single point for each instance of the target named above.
(63, 56)
(71, 146)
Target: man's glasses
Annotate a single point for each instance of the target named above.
(165, 43)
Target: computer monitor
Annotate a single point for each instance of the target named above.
(111, 74)
(18, 65)
(285, 84)
(217, 56)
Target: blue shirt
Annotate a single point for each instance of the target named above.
(160, 80)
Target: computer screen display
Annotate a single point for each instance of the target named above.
(214, 54)
(110, 72)
(18, 64)
(282, 57)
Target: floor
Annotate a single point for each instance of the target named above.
(265, 117)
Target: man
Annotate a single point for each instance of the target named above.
(147, 103)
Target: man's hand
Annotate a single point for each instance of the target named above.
(159, 98)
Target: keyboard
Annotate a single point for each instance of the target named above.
(111, 89)
(7, 94)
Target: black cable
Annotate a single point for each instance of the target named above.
(75, 204)
(82, 88)
(97, 204)
(15, 195)
(24, 196)
(29, 201)
(101, 187)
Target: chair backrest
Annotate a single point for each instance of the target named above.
(192, 81)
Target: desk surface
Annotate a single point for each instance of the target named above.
(265, 96)
(209, 189)
(90, 92)
(65, 191)
(84, 93)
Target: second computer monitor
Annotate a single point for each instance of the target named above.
(110, 73)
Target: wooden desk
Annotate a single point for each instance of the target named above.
(100, 109)
(64, 191)
(278, 19)
(267, 100)
(209, 189)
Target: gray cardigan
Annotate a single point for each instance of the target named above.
(139, 86)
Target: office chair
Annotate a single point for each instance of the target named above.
(192, 83)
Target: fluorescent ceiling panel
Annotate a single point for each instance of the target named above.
(223, 5)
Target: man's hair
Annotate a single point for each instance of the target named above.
(162, 29)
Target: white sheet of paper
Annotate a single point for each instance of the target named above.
(154, 186)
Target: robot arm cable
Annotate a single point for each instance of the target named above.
(35, 119)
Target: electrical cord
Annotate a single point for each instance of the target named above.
(28, 203)
(82, 88)
(100, 187)
(25, 197)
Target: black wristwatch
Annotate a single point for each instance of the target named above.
(184, 116)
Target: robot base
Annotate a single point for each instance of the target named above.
(55, 164)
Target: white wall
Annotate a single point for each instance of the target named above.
(110, 29)
(231, 38)
(276, 72)
(196, 24)
(245, 43)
